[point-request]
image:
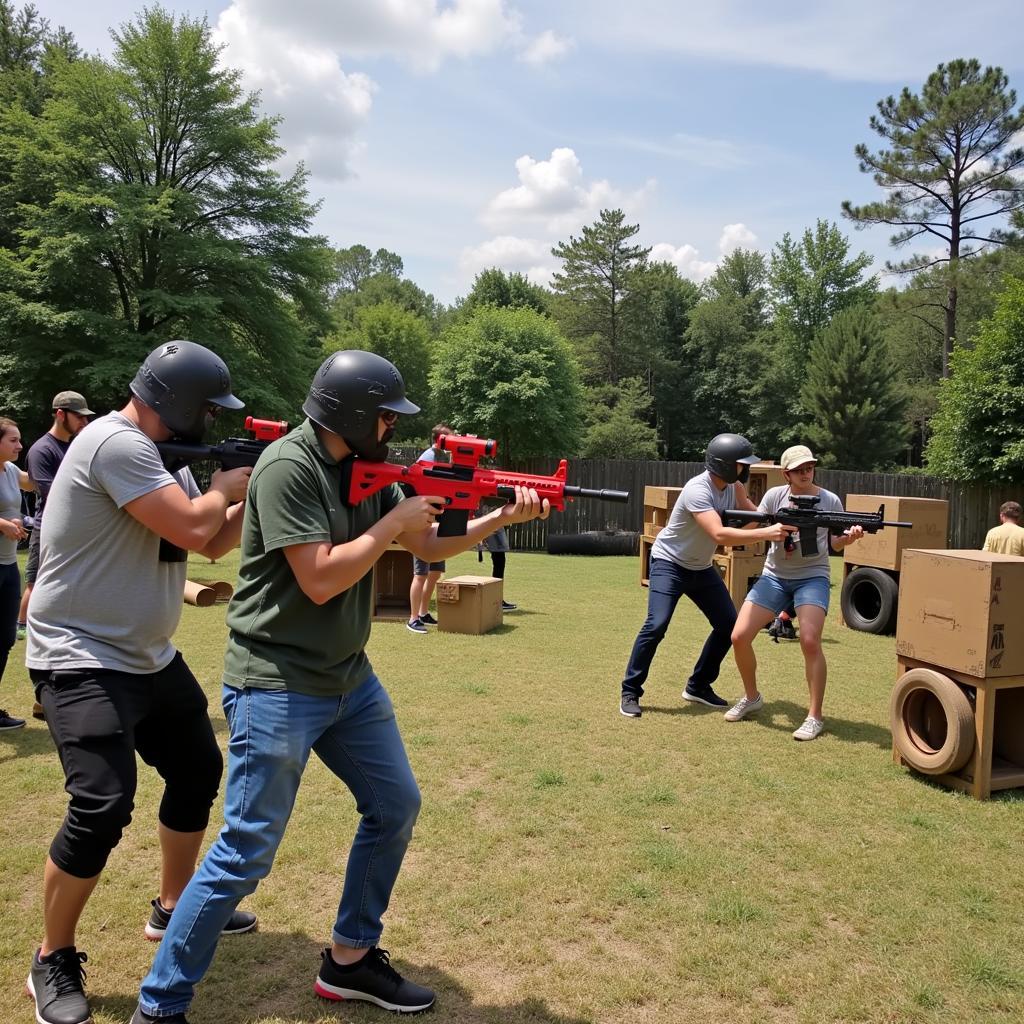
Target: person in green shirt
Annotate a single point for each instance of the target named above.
(297, 679)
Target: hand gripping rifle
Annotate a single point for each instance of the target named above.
(808, 518)
(230, 453)
(462, 483)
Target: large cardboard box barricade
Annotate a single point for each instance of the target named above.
(961, 609)
(884, 549)
(469, 604)
(658, 505)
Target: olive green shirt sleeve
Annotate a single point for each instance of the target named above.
(288, 499)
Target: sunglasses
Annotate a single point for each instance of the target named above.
(390, 418)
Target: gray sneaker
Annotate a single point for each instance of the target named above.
(810, 730)
(743, 707)
(57, 986)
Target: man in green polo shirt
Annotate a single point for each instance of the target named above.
(297, 680)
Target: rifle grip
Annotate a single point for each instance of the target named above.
(453, 522)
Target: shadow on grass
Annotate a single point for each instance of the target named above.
(269, 976)
(26, 742)
(841, 728)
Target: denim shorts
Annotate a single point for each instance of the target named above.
(421, 568)
(776, 594)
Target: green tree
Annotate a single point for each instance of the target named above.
(163, 217)
(493, 287)
(617, 427)
(595, 302)
(951, 171)
(813, 279)
(509, 374)
(976, 432)
(362, 278)
(405, 339)
(855, 409)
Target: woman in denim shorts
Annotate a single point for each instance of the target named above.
(790, 577)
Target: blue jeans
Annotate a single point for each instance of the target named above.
(704, 587)
(271, 735)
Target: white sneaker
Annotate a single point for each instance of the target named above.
(743, 707)
(810, 730)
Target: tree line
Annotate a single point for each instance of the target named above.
(139, 201)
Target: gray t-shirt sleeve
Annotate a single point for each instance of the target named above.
(127, 466)
(792, 565)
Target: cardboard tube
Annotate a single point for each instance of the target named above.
(222, 589)
(199, 595)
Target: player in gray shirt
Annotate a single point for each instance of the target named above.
(791, 577)
(107, 599)
(681, 564)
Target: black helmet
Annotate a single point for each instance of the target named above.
(348, 393)
(179, 381)
(724, 451)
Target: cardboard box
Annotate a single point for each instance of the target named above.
(739, 570)
(957, 610)
(763, 476)
(392, 577)
(884, 549)
(469, 604)
(646, 543)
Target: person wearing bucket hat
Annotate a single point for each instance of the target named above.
(106, 602)
(71, 413)
(297, 681)
(681, 564)
(790, 577)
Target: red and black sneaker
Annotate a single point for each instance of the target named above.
(373, 980)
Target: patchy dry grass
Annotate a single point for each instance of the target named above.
(571, 865)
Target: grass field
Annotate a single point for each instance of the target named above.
(571, 865)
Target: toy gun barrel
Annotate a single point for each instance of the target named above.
(598, 493)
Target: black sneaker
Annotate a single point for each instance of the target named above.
(704, 695)
(630, 706)
(8, 722)
(428, 619)
(786, 630)
(138, 1017)
(57, 986)
(508, 606)
(372, 979)
(240, 921)
(416, 625)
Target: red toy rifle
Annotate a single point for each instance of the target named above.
(462, 483)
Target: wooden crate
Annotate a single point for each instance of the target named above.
(646, 541)
(658, 505)
(998, 758)
(763, 476)
(392, 577)
(739, 570)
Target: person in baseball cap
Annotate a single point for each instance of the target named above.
(71, 413)
(791, 578)
(71, 401)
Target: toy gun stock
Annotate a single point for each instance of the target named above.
(230, 453)
(808, 519)
(462, 483)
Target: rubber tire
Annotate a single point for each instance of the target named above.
(868, 599)
(932, 722)
(594, 542)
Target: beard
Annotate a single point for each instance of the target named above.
(370, 447)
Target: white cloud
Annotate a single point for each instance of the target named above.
(529, 256)
(686, 258)
(547, 46)
(554, 195)
(421, 33)
(877, 41)
(736, 236)
(322, 107)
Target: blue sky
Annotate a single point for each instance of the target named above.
(463, 134)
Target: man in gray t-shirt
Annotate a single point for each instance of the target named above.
(681, 564)
(107, 599)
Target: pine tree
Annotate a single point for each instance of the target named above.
(855, 408)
